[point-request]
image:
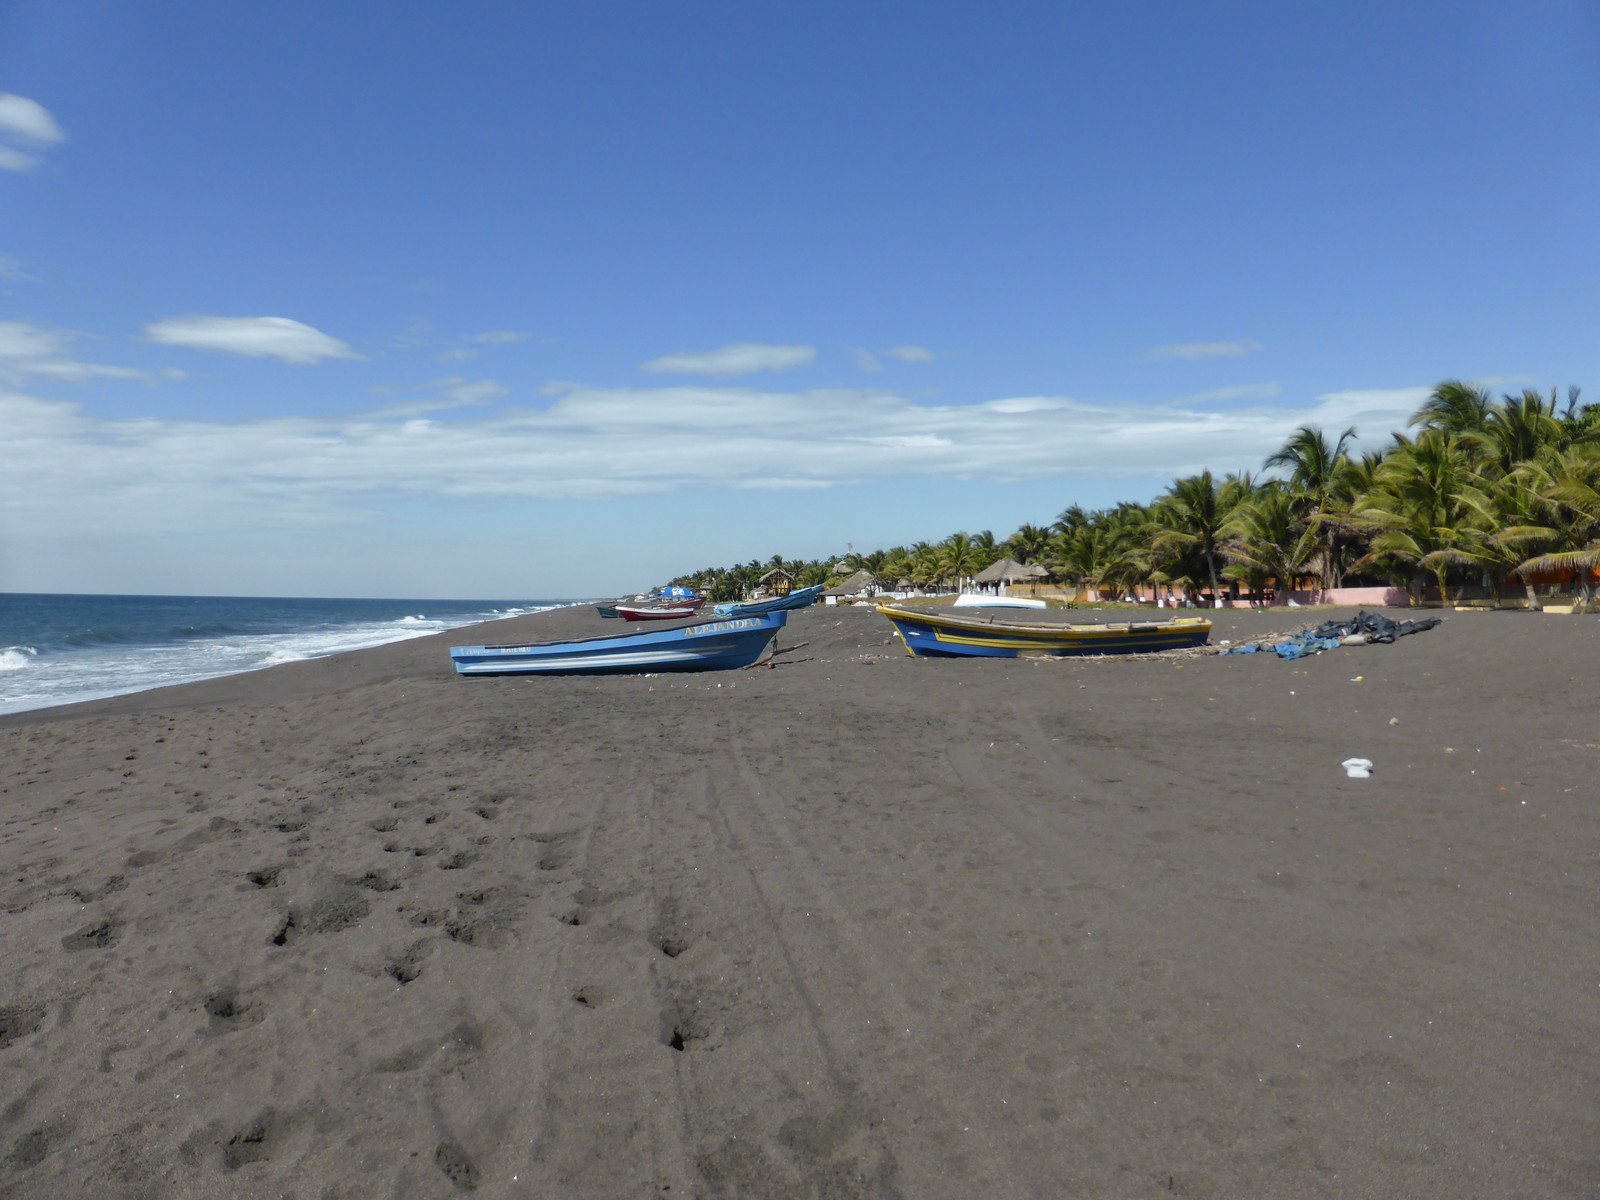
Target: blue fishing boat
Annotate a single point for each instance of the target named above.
(708, 646)
(799, 598)
(942, 633)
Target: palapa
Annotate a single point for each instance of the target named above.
(1009, 570)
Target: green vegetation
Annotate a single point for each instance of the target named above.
(1479, 490)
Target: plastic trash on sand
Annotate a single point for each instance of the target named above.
(1357, 768)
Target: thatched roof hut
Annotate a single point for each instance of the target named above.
(776, 582)
(859, 584)
(1008, 570)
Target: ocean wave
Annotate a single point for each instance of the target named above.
(83, 638)
(14, 658)
(100, 658)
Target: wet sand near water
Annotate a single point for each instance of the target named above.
(855, 925)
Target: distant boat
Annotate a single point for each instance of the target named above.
(979, 600)
(935, 633)
(657, 612)
(710, 646)
(607, 610)
(799, 598)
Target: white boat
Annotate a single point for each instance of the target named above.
(979, 600)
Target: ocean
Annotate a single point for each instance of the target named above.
(58, 649)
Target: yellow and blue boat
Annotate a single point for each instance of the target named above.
(965, 633)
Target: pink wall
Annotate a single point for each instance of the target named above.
(1390, 597)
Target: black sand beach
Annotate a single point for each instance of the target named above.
(857, 925)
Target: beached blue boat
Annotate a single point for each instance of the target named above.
(943, 633)
(708, 646)
(799, 598)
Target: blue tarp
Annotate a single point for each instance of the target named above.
(1376, 629)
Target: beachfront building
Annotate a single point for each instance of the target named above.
(776, 582)
(1000, 576)
(860, 586)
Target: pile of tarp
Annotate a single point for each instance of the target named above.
(1363, 629)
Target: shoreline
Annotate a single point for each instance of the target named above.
(859, 924)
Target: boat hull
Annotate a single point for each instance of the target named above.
(803, 598)
(971, 600)
(938, 635)
(709, 646)
(659, 612)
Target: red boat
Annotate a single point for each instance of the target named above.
(656, 612)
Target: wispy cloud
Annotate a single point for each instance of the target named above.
(30, 123)
(869, 360)
(251, 337)
(65, 467)
(1243, 348)
(908, 354)
(494, 337)
(740, 358)
(450, 392)
(26, 349)
(11, 271)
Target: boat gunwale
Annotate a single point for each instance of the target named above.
(644, 632)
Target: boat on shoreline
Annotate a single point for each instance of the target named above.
(941, 633)
(983, 600)
(657, 612)
(708, 646)
(799, 598)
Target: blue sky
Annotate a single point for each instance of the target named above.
(517, 300)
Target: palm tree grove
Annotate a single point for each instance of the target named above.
(1479, 492)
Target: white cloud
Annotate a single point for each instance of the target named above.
(16, 160)
(741, 358)
(67, 471)
(868, 360)
(252, 337)
(1195, 350)
(29, 122)
(1243, 391)
(460, 393)
(499, 337)
(29, 350)
(909, 354)
(28, 119)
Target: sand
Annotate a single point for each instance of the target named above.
(855, 925)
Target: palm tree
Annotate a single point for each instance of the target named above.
(1029, 543)
(1426, 507)
(1088, 555)
(1190, 517)
(1267, 537)
(1072, 519)
(1570, 535)
(1454, 407)
(1316, 470)
(959, 557)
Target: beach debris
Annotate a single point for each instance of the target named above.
(1361, 630)
(1357, 768)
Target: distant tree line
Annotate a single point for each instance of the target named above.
(1480, 489)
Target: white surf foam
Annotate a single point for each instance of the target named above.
(14, 658)
(99, 672)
